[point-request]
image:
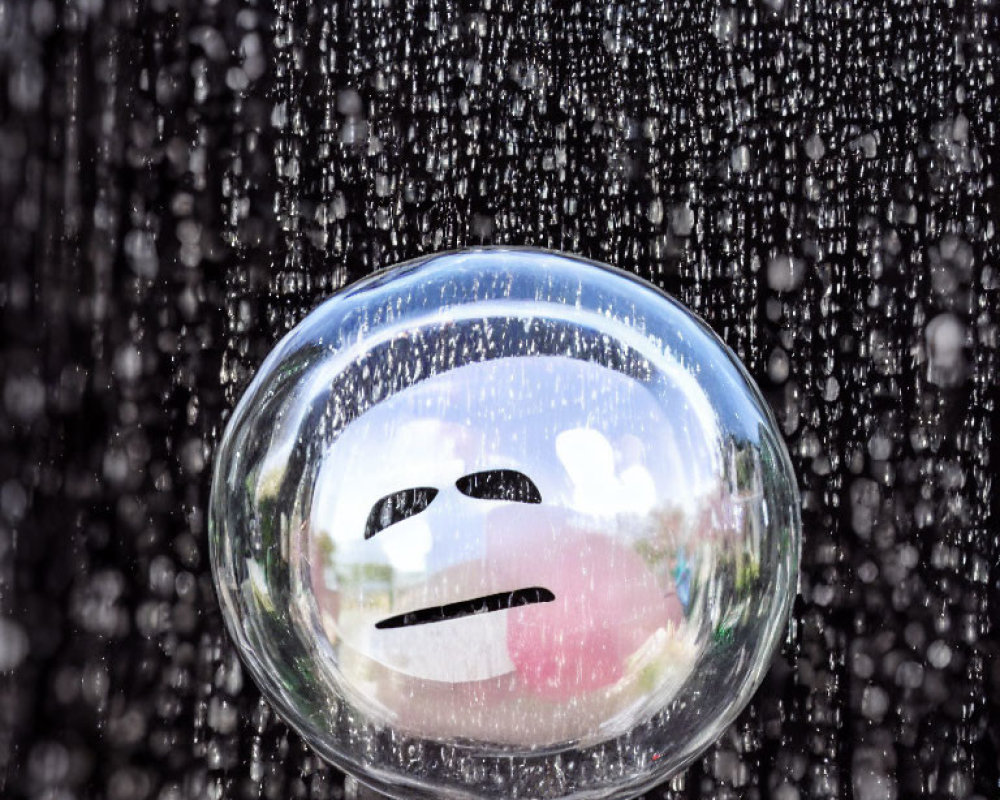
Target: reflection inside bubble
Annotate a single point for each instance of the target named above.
(504, 504)
(513, 534)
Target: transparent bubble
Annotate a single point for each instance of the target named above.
(504, 523)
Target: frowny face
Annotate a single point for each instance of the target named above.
(478, 541)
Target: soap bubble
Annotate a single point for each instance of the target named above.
(504, 523)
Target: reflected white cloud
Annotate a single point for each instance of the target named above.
(600, 487)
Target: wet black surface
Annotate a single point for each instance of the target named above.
(181, 182)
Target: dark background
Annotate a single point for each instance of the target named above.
(180, 182)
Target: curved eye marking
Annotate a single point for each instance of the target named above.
(500, 484)
(396, 507)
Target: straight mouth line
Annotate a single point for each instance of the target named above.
(466, 608)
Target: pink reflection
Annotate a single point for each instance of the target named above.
(607, 601)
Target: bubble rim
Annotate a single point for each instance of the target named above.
(401, 785)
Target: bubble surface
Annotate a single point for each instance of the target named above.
(504, 523)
